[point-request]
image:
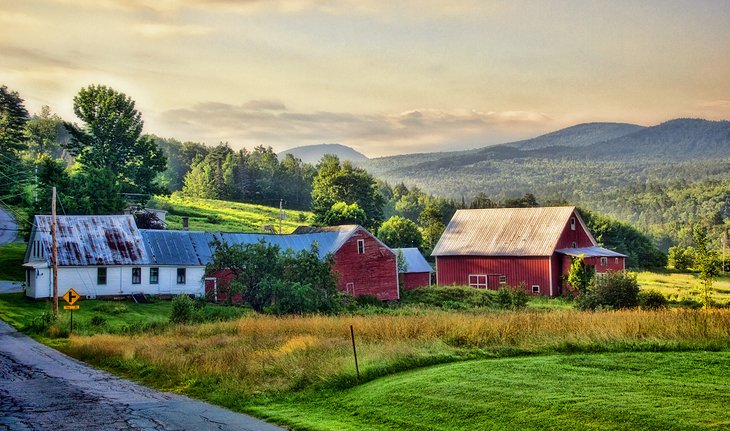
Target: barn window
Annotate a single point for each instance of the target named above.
(350, 288)
(604, 261)
(572, 223)
(360, 246)
(615, 261)
(136, 275)
(575, 244)
(101, 276)
(478, 280)
(502, 279)
(154, 275)
(535, 288)
(181, 276)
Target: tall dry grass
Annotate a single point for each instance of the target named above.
(267, 354)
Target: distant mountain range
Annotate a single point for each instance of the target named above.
(313, 153)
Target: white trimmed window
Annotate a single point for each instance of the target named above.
(101, 276)
(478, 280)
(154, 275)
(181, 276)
(350, 288)
(535, 288)
(572, 223)
(604, 261)
(502, 279)
(360, 246)
(136, 275)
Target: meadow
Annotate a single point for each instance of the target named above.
(678, 286)
(216, 215)
(543, 367)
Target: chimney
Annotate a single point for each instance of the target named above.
(184, 223)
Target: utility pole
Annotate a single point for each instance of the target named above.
(54, 252)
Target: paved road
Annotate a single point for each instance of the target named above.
(8, 227)
(43, 389)
(10, 287)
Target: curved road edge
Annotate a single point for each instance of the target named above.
(41, 388)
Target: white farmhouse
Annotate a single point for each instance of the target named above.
(107, 255)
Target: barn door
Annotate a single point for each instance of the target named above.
(493, 282)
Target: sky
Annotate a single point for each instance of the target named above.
(384, 77)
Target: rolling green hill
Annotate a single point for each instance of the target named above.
(214, 215)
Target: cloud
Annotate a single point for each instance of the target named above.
(157, 30)
(266, 122)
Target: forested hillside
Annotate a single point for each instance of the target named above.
(659, 178)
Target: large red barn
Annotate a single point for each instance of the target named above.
(489, 248)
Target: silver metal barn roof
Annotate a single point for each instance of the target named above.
(415, 262)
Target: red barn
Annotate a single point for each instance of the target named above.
(489, 248)
(417, 271)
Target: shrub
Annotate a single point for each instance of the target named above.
(503, 299)
(98, 320)
(519, 296)
(42, 322)
(368, 300)
(446, 296)
(183, 309)
(289, 297)
(612, 290)
(652, 300)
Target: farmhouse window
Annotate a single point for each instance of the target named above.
(572, 223)
(535, 288)
(360, 246)
(502, 279)
(154, 275)
(101, 276)
(604, 261)
(350, 288)
(478, 280)
(181, 276)
(136, 275)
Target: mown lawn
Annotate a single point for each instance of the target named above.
(213, 215)
(11, 261)
(617, 391)
(678, 286)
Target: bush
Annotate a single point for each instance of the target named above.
(519, 296)
(183, 309)
(42, 322)
(503, 299)
(652, 300)
(289, 297)
(611, 290)
(512, 297)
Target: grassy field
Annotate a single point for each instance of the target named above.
(11, 261)
(298, 370)
(214, 215)
(637, 391)
(678, 286)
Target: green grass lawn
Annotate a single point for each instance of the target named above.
(621, 391)
(214, 215)
(677, 285)
(11, 261)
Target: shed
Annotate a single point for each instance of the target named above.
(417, 271)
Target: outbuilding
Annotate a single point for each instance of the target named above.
(490, 248)
(416, 271)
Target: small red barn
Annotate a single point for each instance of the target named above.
(417, 271)
(488, 248)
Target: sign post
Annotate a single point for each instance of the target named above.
(71, 297)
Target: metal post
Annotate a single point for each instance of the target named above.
(54, 252)
(72, 321)
(354, 351)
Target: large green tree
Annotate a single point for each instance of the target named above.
(111, 138)
(43, 132)
(342, 182)
(400, 232)
(13, 117)
(707, 264)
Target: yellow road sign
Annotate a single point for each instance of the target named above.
(71, 307)
(71, 296)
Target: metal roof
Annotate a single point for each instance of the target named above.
(415, 262)
(504, 232)
(594, 251)
(93, 240)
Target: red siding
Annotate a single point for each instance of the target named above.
(612, 264)
(568, 236)
(530, 270)
(412, 280)
(372, 273)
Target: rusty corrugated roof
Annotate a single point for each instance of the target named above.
(93, 240)
(503, 232)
